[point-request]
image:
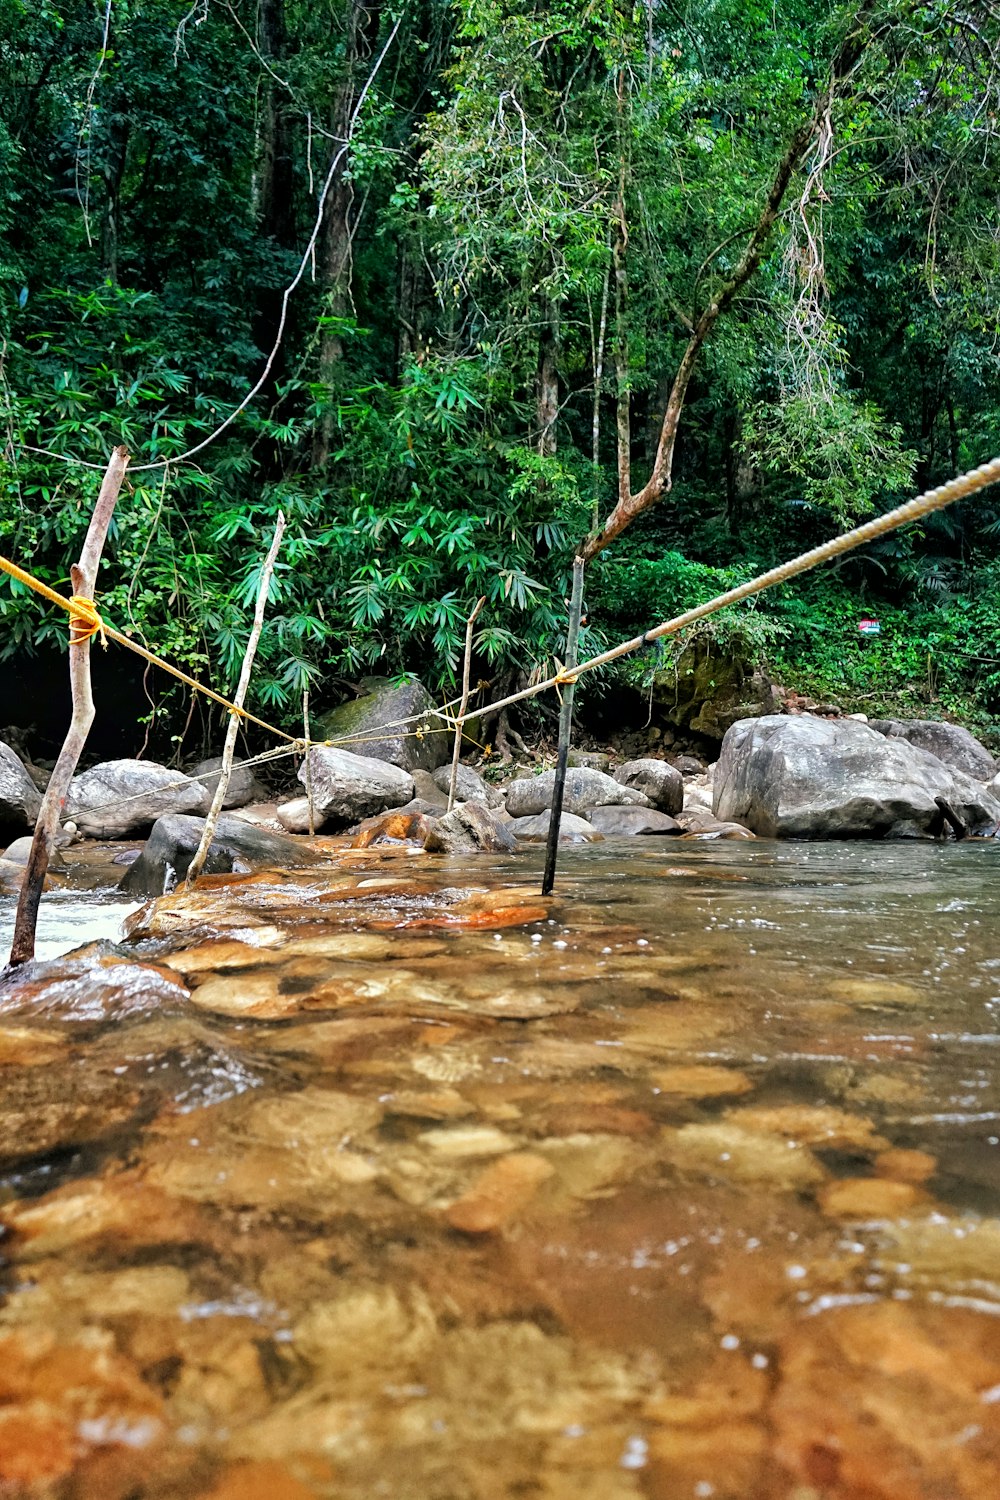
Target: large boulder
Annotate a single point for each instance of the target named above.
(237, 845)
(529, 796)
(19, 797)
(120, 797)
(803, 777)
(662, 784)
(348, 787)
(469, 828)
(949, 742)
(470, 786)
(243, 785)
(390, 723)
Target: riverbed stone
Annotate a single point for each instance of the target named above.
(810, 778)
(469, 828)
(470, 786)
(119, 797)
(20, 800)
(628, 822)
(243, 788)
(372, 726)
(949, 742)
(529, 796)
(572, 830)
(589, 760)
(236, 845)
(293, 815)
(348, 787)
(660, 782)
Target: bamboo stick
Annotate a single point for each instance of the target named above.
(466, 679)
(565, 728)
(225, 770)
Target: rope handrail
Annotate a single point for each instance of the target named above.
(86, 621)
(922, 505)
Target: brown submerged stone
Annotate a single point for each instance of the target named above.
(499, 1194)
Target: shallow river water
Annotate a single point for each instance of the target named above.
(390, 1179)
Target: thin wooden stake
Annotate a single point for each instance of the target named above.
(466, 678)
(309, 774)
(225, 770)
(84, 576)
(565, 728)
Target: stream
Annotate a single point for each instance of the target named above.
(388, 1178)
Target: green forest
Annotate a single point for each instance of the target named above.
(465, 286)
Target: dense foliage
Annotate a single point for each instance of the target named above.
(518, 213)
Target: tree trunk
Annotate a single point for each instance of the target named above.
(547, 384)
(275, 202)
(361, 24)
(632, 505)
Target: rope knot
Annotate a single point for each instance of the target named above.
(85, 621)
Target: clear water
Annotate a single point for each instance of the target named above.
(390, 1180)
(66, 920)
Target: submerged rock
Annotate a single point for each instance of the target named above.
(348, 787)
(125, 796)
(584, 789)
(373, 726)
(20, 800)
(237, 844)
(810, 778)
(468, 828)
(660, 782)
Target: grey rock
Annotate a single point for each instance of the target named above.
(237, 845)
(589, 760)
(470, 786)
(689, 765)
(294, 815)
(660, 782)
(625, 822)
(470, 826)
(949, 742)
(427, 789)
(17, 853)
(371, 726)
(572, 830)
(243, 788)
(584, 789)
(19, 797)
(803, 777)
(119, 797)
(347, 787)
(719, 830)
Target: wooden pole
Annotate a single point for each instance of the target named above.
(229, 749)
(565, 728)
(84, 576)
(309, 778)
(466, 678)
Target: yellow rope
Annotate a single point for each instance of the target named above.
(85, 622)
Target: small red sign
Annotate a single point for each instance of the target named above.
(869, 627)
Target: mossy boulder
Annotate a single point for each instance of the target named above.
(392, 722)
(712, 688)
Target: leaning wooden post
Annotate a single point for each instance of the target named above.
(466, 678)
(84, 624)
(565, 727)
(229, 749)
